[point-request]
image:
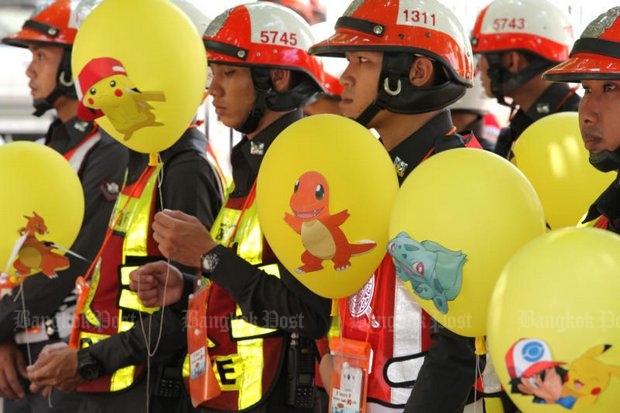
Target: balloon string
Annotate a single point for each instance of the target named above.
(147, 338)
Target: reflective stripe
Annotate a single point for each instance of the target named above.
(239, 328)
(122, 378)
(77, 155)
(241, 372)
(231, 226)
(132, 229)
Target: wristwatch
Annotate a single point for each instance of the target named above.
(208, 261)
(88, 367)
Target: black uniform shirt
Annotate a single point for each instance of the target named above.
(558, 97)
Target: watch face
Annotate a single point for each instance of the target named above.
(210, 261)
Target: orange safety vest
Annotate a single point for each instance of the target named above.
(246, 358)
(385, 314)
(111, 307)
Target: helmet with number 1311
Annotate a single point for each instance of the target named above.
(403, 30)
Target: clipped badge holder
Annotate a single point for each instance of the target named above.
(203, 384)
(351, 365)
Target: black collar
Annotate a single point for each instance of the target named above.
(608, 205)
(247, 155)
(433, 137)
(65, 136)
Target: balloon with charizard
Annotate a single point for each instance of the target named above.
(34, 255)
(107, 90)
(320, 231)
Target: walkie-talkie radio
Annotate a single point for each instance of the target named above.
(300, 370)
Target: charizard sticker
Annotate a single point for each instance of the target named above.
(34, 255)
(108, 90)
(320, 231)
(435, 272)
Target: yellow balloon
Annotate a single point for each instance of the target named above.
(39, 191)
(457, 219)
(141, 71)
(324, 194)
(551, 154)
(554, 325)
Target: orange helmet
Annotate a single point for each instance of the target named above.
(263, 36)
(537, 26)
(403, 29)
(595, 54)
(51, 24)
(417, 26)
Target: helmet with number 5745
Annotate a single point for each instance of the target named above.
(265, 36)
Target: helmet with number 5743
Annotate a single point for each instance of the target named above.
(536, 26)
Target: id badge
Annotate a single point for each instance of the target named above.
(203, 384)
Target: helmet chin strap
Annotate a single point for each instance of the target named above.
(368, 114)
(268, 98)
(262, 86)
(606, 161)
(503, 80)
(397, 94)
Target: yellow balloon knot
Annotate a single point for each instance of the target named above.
(335, 307)
(153, 159)
(481, 346)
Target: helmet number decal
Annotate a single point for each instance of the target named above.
(280, 38)
(419, 17)
(508, 23)
(413, 13)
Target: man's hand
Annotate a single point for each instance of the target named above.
(157, 284)
(12, 364)
(182, 238)
(55, 367)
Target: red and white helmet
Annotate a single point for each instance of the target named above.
(262, 34)
(537, 26)
(595, 55)
(424, 27)
(402, 30)
(52, 23)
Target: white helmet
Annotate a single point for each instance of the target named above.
(537, 26)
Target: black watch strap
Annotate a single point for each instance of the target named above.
(88, 368)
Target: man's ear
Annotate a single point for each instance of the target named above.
(513, 61)
(280, 79)
(421, 72)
